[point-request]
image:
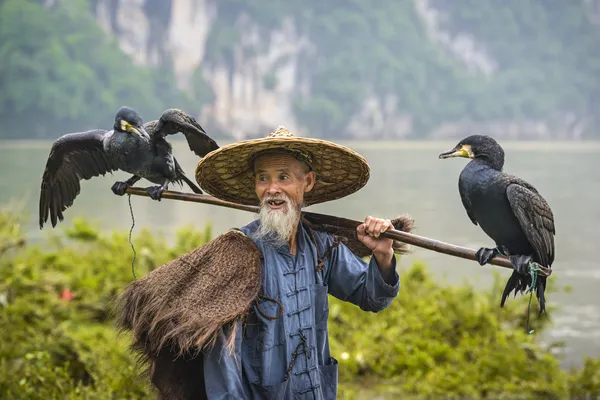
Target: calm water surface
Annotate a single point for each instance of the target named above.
(405, 177)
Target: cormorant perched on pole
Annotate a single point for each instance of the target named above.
(130, 146)
(509, 210)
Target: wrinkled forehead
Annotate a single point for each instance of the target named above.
(278, 159)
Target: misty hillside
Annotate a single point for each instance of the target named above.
(391, 69)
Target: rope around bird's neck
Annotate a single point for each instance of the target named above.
(130, 242)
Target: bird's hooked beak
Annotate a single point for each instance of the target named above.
(462, 151)
(139, 131)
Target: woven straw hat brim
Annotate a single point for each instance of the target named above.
(226, 173)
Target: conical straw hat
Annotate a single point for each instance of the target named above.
(226, 173)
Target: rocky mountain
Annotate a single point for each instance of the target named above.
(405, 69)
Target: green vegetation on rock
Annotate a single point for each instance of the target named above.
(547, 55)
(547, 63)
(58, 342)
(60, 73)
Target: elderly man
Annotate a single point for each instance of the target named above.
(283, 350)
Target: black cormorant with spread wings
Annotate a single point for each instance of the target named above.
(509, 210)
(131, 146)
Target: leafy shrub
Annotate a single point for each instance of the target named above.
(57, 339)
(443, 341)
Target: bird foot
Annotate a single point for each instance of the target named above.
(155, 192)
(521, 263)
(484, 255)
(119, 188)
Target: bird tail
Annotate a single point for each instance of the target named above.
(520, 282)
(182, 177)
(516, 282)
(191, 184)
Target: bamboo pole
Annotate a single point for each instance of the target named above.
(405, 237)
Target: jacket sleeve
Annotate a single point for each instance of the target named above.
(223, 377)
(352, 279)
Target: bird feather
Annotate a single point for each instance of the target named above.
(462, 190)
(173, 121)
(535, 218)
(73, 157)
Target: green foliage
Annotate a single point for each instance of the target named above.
(52, 347)
(441, 341)
(60, 73)
(434, 341)
(546, 51)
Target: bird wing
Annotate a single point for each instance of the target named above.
(535, 217)
(462, 190)
(174, 120)
(73, 157)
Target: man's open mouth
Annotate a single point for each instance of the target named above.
(276, 203)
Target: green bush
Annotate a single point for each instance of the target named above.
(444, 341)
(58, 342)
(55, 348)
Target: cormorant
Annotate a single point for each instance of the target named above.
(509, 210)
(131, 146)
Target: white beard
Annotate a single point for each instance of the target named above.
(276, 226)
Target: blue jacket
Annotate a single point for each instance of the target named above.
(288, 357)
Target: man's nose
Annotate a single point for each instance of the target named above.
(273, 188)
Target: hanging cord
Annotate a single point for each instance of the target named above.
(533, 269)
(274, 301)
(304, 344)
(131, 230)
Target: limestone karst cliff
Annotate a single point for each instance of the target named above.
(403, 69)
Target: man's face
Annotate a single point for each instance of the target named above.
(280, 183)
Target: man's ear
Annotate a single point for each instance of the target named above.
(309, 180)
